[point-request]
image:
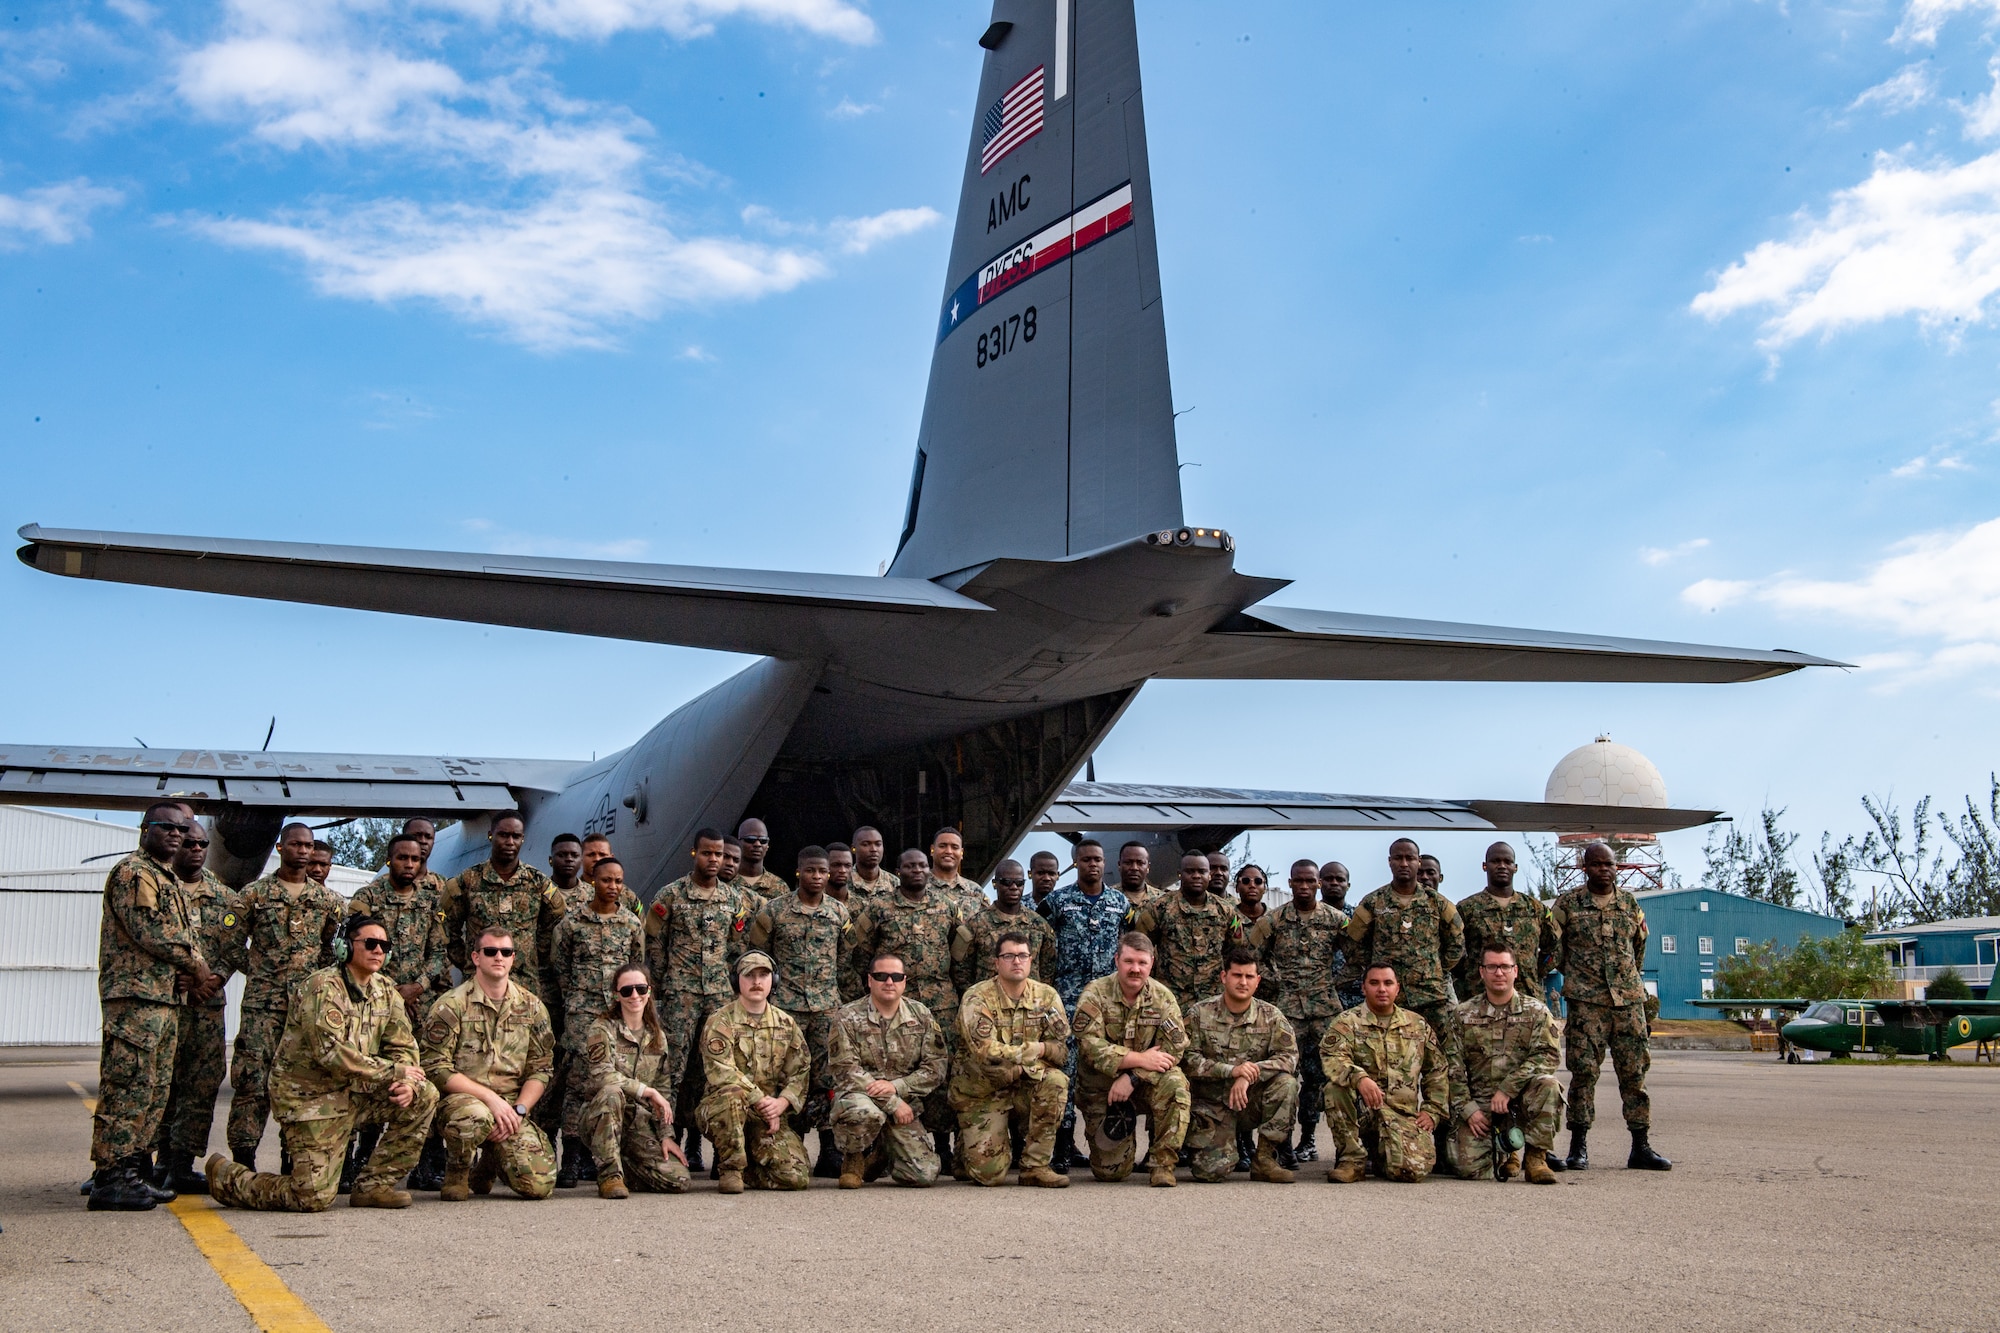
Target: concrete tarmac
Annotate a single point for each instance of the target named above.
(1812, 1196)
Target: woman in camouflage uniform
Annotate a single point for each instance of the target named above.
(628, 1118)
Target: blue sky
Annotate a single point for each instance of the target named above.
(1667, 321)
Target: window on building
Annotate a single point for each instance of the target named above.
(1743, 944)
(1707, 987)
(1703, 905)
(1668, 944)
(1986, 948)
(1705, 944)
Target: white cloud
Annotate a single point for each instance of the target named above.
(1660, 555)
(52, 214)
(1923, 18)
(859, 235)
(849, 109)
(1930, 464)
(1909, 87)
(678, 18)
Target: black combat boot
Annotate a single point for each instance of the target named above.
(284, 1160)
(1579, 1149)
(428, 1174)
(1556, 1163)
(365, 1139)
(177, 1173)
(118, 1188)
(142, 1169)
(586, 1164)
(827, 1165)
(244, 1157)
(1307, 1151)
(1245, 1148)
(350, 1166)
(1643, 1157)
(572, 1153)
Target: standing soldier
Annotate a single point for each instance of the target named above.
(321, 864)
(947, 854)
(871, 879)
(1189, 930)
(986, 922)
(1130, 1039)
(1502, 1057)
(1015, 1039)
(805, 932)
(490, 1050)
(145, 946)
(1333, 882)
(1414, 930)
(755, 1060)
(201, 1055)
(506, 893)
(594, 941)
(1242, 1067)
(570, 868)
(1135, 864)
(1087, 918)
(1300, 943)
(840, 872)
(288, 920)
(1250, 887)
(887, 1055)
(1496, 917)
(753, 874)
(1602, 946)
(1388, 1085)
(1044, 869)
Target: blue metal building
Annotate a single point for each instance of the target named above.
(1919, 953)
(1689, 931)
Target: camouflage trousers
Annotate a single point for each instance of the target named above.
(257, 1034)
(571, 1087)
(818, 1027)
(200, 1060)
(1537, 1113)
(524, 1160)
(625, 1140)
(1388, 1135)
(985, 1118)
(859, 1125)
(135, 1075)
(1590, 1029)
(1212, 1127)
(744, 1141)
(1164, 1102)
(938, 1116)
(1435, 1012)
(682, 1014)
(319, 1150)
(1312, 1074)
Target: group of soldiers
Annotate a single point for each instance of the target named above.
(917, 1025)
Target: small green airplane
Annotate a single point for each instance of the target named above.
(1904, 1027)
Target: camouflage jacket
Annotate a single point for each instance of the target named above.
(585, 960)
(1419, 936)
(527, 904)
(579, 894)
(289, 929)
(808, 945)
(1520, 922)
(144, 938)
(212, 908)
(340, 1039)
(1087, 928)
(928, 935)
(1190, 941)
(907, 1050)
(1302, 953)
(1108, 1029)
(884, 884)
(767, 885)
(1498, 1049)
(504, 1045)
(694, 936)
(1400, 1052)
(1218, 1041)
(1601, 946)
(994, 1032)
(974, 896)
(415, 920)
(763, 1054)
(985, 925)
(616, 1056)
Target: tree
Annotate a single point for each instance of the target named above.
(1546, 866)
(1948, 984)
(1754, 865)
(362, 843)
(1835, 967)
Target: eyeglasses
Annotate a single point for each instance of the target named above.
(887, 978)
(1497, 967)
(1015, 957)
(495, 951)
(1009, 883)
(755, 839)
(629, 991)
(369, 942)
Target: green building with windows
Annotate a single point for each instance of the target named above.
(1690, 931)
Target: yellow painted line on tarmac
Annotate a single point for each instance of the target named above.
(89, 1102)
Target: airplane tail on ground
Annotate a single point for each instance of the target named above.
(1048, 426)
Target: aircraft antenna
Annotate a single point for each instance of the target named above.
(270, 731)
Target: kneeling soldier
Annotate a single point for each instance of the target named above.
(489, 1048)
(1129, 1041)
(754, 1056)
(1014, 1040)
(1242, 1065)
(347, 1058)
(885, 1054)
(1386, 1085)
(1503, 1064)
(628, 1112)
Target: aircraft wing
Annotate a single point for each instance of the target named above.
(1755, 1002)
(767, 613)
(1290, 643)
(1942, 1008)
(300, 784)
(1097, 806)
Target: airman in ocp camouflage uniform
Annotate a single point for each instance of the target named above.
(1108, 1028)
(623, 1132)
(927, 932)
(1189, 929)
(1220, 1042)
(1013, 1049)
(1497, 916)
(1414, 930)
(504, 1045)
(201, 1055)
(1300, 945)
(1505, 1048)
(1399, 1052)
(905, 1049)
(748, 1057)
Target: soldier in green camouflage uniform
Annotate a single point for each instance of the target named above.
(986, 921)
(592, 942)
(1240, 1050)
(805, 932)
(348, 1058)
(886, 1055)
(1135, 864)
(1502, 1055)
(1414, 930)
(1130, 1040)
(506, 893)
(1497, 915)
(756, 1063)
(1189, 929)
(871, 879)
(629, 1087)
(145, 945)
(1300, 946)
(490, 1050)
(201, 1055)
(751, 874)
(1015, 1039)
(1387, 1085)
(694, 932)
(410, 902)
(288, 921)
(1602, 946)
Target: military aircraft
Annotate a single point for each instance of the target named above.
(1045, 572)
(1904, 1027)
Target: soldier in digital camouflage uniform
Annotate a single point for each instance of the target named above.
(871, 878)
(1497, 915)
(805, 932)
(886, 1055)
(1130, 1040)
(629, 1086)
(1135, 865)
(347, 1058)
(506, 893)
(490, 1050)
(752, 874)
(409, 900)
(1413, 929)
(1189, 929)
(985, 922)
(570, 861)
(1301, 946)
(1088, 917)
(1242, 1067)
(1502, 1057)
(1602, 933)
(593, 941)
(201, 1055)
(755, 1059)
(947, 854)
(1387, 1085)
(287, 922)
(1014, 1038)
(694, 932)
(145, 945)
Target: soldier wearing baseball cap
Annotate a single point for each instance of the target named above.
(754, 1056)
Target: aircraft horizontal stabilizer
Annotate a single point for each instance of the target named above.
(1291, 643)
(1096, 806)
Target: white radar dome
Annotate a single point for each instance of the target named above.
(1607, 773)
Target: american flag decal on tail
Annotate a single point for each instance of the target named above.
(1012, 120)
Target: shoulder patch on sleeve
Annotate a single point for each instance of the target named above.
(717, 1045)
(229, 918)
(660, 910)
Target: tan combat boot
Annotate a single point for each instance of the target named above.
(853, 1170)
(729, 1180)
(457, 1187)
(1511, 1167)
(1264, 1166)
(611, 1187)
(1536, 1167)
(378, 1196)
(1164, 1161)
(1041, 1177)
(1348, 1169)
(216, 1168)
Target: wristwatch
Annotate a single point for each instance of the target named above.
(520, 1110)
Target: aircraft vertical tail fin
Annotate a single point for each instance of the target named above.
(1048, 423)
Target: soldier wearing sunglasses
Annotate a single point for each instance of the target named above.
(489, 1048)
(886, 1054)
(629, 1115)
